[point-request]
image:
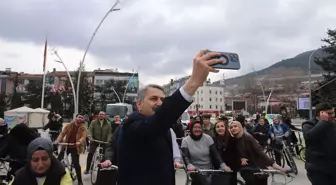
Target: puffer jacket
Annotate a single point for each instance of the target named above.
(100, 132)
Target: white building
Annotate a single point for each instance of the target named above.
(210, 100)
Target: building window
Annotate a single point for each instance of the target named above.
(216, 99)
(201, 91)
(209, 91)
(197, 92)
(210, 107)
(209, 99)
(201, 99)
(221, 107)
(216, 107)
(220, 92)
(215, 92)
(202, 106)
(220, 99)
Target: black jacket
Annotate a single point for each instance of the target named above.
(320, 139)
(145, 155)
(263, 137)
(24, 176)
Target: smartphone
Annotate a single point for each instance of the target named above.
(232, 61)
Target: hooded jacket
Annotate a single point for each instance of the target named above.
(55, 175)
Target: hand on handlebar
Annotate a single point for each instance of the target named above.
(191, 168)
(106, 164)
(178, 165)
(227, 169)
(56, 142)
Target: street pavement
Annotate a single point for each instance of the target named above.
(300, 179)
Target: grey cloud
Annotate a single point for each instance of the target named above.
(162, 36)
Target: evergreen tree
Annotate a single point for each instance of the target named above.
(33, 95)
(16, 100)
(4, 104)
(326, 89)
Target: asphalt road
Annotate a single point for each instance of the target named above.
(300, 179)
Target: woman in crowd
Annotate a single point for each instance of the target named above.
(226, 146)
(199, 152)
(42, 167)
(251, 155)
(260, 132)
(15, 145)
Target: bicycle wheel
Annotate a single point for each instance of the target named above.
(290, 161)
(94, 170)
(303, 154)
(272, 152)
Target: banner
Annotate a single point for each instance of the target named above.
(14, 120)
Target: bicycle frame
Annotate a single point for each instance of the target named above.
(65, 159)
(97, 156)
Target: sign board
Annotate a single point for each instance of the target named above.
(303, 103)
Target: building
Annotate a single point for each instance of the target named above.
(131, 79)
(209, 100)
(174, 85)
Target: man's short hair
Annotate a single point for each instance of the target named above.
(322, 107)
(142, 91)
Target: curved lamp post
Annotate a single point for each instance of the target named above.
(70, 79)
(88, 47)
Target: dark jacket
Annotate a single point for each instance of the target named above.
(110, 152)
(25, 176)
(144, 151)
(260, 133)
(16, 143)
(54, 125)
(4, 129)
(320, 139)
(229, 153)
(178, 130)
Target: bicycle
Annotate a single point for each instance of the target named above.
(96, 159)
(272, 173)
(65, 161)
(110, 177)
(288, 156)
(6, 177)
(298, 145)
(209, 171)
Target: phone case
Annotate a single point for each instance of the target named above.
(232, 61)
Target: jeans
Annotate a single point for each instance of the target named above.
(74, 159)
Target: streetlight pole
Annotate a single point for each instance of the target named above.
(71, 82)
(310, 80)
(129, 80)
(116, 94)
(88, 47)
(261, 85)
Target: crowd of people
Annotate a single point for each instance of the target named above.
(150, 143)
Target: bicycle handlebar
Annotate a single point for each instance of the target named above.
(208, 171)
(100, 142)
(65, 144)
(266, 171)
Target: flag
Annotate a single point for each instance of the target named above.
(45, 55)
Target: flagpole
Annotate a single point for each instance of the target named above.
(44, 72)
(43, 89)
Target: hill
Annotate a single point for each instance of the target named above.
(297, 65)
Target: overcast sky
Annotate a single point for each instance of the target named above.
(159, 36)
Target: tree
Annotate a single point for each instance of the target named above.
(107, 94)
(33, 95)
(326, 89)
(16, 100)
(4, 104)
(67, 106)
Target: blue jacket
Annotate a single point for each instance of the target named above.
(283, 126)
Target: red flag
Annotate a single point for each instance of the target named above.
(45, 55)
